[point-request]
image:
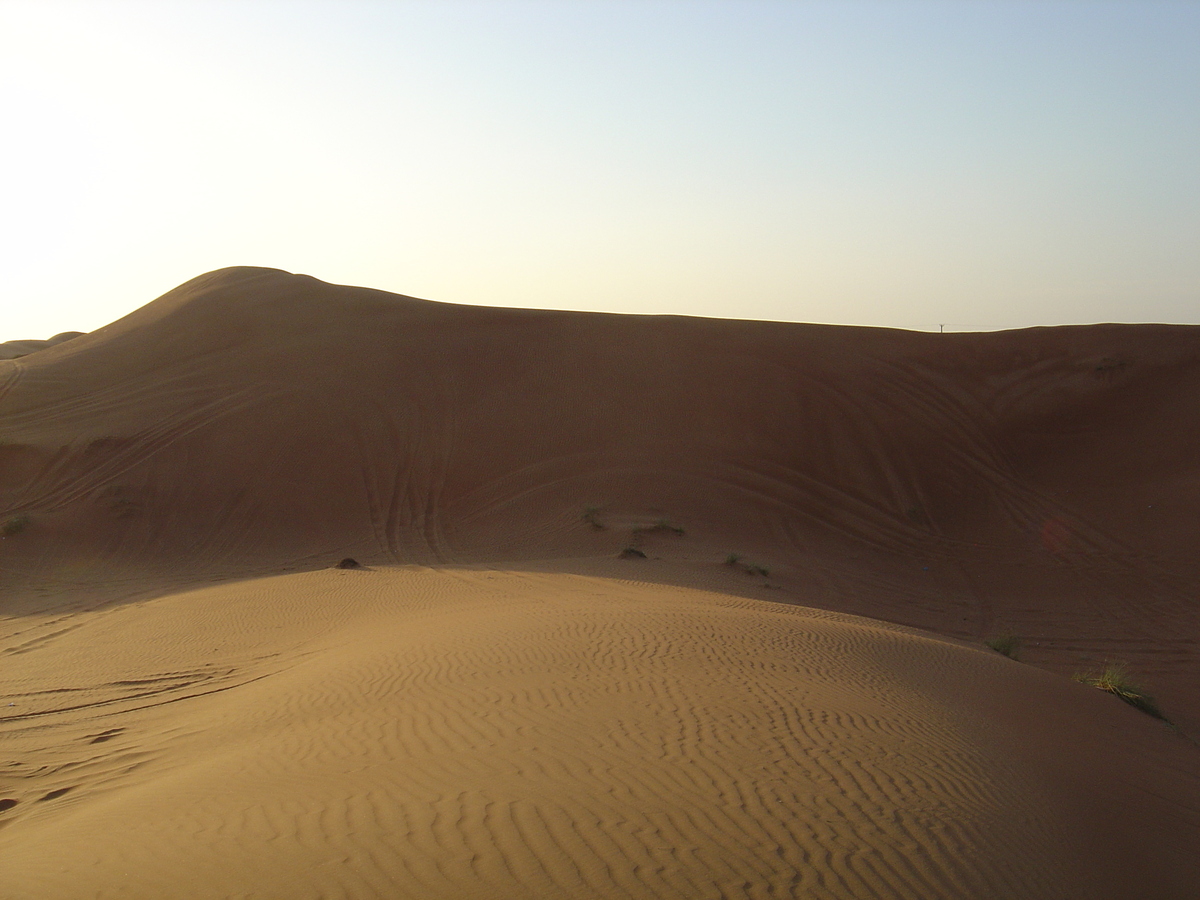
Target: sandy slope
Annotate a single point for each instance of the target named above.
(416, 733)
(536, 716)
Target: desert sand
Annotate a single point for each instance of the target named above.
(644, 607)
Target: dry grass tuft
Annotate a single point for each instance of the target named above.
(1115, 680)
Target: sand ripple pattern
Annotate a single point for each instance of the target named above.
(476, 734)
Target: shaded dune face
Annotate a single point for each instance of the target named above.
(461, 731)
(1040, 482)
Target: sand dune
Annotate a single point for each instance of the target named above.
(16, 349)
(507, 704)
(488, 734)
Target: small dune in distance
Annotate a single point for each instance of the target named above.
(316, 591)
(16, 349)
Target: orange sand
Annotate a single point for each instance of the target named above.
(502, 705)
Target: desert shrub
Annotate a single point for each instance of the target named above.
(1115, 680)
(14, 525)
(658, 527)
(591, 515)
(736, 561)
(1005, 644)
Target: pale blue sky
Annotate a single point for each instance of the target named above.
(985, 165)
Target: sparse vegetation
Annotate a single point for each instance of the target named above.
(1005, 644)
(1110, 366)
(640, 531)
(735, 561)
(1115, 680)
(591, 515)
(660, 526)
(14, 525)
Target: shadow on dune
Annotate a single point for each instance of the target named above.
(252, 421)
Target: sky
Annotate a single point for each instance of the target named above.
(967, 165)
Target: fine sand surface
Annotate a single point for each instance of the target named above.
(547, 679)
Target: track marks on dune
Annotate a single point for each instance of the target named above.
(920, 449)
(10, 376)
(127, 695)
(403, 455)
(33, 637)
(63, 481)
(968, 421)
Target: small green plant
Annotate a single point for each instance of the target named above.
(632, 553)
(732, 559)
(1005, 644)
(1115, 680)
(14, 525)
(591, 515)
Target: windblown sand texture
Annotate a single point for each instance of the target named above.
(547, 679)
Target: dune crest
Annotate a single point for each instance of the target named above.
(17, 349)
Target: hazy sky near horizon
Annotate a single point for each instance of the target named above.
(980, 164)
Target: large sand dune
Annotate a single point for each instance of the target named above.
(504, 705)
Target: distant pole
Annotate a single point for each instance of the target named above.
(941, 329)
